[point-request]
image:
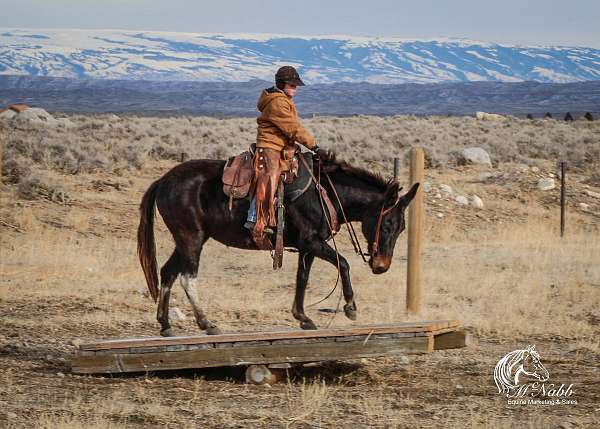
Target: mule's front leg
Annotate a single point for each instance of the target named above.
(188, 282)
(305, 261)
(327, 253)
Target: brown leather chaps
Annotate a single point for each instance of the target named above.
(269, 164)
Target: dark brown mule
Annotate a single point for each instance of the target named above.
(192, 204)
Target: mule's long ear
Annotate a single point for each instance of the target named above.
(408, 197)
(393, 189)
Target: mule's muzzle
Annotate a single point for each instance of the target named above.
(380, 264)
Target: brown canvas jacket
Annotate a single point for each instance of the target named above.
(278, 123)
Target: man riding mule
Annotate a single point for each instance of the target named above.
(192, 203)
(278, 129)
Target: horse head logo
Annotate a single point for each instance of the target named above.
(517, 367)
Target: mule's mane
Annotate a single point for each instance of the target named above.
(331, 164)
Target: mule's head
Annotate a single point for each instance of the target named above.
(388, 219)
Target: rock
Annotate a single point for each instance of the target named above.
(584, 206)
(486, 175)
(7, 115)
(426, 187)
(10, 415)
(476, 201)
(535, 169)
(437, 196)
(592, 194)
(446, 190)
(65, 123)
(461, 200)
(476, 155)
(439, 215)
(35, 115)
(176, 314)
(76, 342)
(484, 116)
(546, 184)
(60, 375)
(403, 360)
(144, 292)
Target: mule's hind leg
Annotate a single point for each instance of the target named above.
(188, 282)
(168, 274)
(189, 279)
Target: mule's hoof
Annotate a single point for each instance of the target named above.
(308, 325)
(167, 333)
(213, 330)
(350, 311)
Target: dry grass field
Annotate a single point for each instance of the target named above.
(69, 272)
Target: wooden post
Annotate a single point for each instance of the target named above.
(396, 165)
(562, 198)
(415, 226)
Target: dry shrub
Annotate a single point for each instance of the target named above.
(14, 170)
(39, 186)
(100, 142)
(305, 404)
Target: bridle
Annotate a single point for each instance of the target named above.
(382, 213)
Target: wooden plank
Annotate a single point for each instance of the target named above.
(232, 356)
(452, 340)
(431, 326)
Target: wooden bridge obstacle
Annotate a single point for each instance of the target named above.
(259, 350)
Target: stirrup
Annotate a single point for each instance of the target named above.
(250, 225)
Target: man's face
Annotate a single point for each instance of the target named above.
(290, 90)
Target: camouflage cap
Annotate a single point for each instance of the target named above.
(288, 74)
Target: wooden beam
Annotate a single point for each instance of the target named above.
(250, 355)
(424, 326)
(452, 340)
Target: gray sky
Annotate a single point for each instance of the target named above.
(565, 22)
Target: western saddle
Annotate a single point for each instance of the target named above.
(238, 175)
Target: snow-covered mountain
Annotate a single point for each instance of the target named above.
(114, 54)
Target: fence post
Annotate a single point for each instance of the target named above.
(562, 198)
(396, 163)
(415, 226)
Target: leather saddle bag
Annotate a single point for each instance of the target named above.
(237, 175)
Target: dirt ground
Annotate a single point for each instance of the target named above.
(69, 273)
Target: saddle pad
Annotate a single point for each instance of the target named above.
(302, 183)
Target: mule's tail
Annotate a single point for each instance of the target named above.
(146, 247)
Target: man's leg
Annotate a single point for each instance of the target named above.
(251, 220)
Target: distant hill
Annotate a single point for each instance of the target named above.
(150, 55)
(239, 98)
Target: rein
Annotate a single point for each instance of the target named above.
(351, 232)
